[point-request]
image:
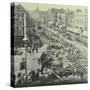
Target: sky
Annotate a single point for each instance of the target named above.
(45, 7)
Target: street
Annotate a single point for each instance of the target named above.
(32, 60)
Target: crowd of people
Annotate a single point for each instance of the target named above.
(30, 49)
(33, 48)
(41, 75)
(24, 79)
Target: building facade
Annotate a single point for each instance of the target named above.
(77, 20)
(57, 16)
(61, 18)
(19, 22)
(81, 19)
(69, 21)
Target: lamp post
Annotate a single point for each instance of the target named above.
(25, 39)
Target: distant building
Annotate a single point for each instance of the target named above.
(52, 15)
(39, 16)
(57, 16)
(61, 18)
(36, 13)
(69, 20)
(19, 22)
(81, 19)
(77, 20)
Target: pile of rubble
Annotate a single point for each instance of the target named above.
(58, 54)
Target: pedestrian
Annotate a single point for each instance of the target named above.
(19, 80)
(42, 68)
(33, 75)
(33, 48)
(29, 77)
(29, 48)
(37, 74)
(36, 48)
